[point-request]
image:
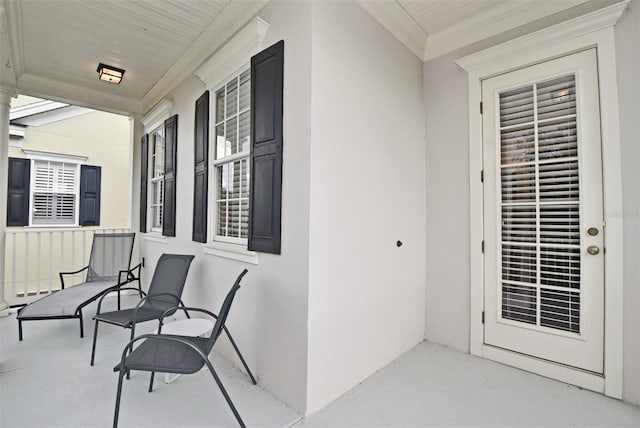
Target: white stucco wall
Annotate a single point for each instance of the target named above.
(269, 316)
(366, 295)
(628, 68)
(448, 248)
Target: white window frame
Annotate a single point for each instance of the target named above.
(156, 200)
(229, 60)
(217, 162)
(153, 122)
(58, 158)
(594, 29)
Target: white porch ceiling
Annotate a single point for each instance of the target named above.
(51, 49)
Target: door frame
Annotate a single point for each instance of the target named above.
(594, 29)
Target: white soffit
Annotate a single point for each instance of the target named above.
(411, 24)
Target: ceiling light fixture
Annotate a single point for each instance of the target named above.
(109, 73)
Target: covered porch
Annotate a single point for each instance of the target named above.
(47, 382)
(370, 310)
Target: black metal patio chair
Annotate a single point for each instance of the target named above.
(108, 270)
(179, 354)
(165, 292)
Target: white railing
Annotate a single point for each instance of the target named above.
(33, 259)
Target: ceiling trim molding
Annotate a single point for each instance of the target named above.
(13, 24)
(157, 115)
(490, 23)
(232, 19)
(234, 54)
(43, 87)
(491, 61)
(393, 17)
(34, 108)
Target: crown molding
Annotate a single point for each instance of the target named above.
(46, 88)
(488, 60)
(234, 54)
(491, 22)
(232, 19)
(393, 17)
(157, 115)
(12, 17)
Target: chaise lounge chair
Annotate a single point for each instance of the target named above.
(107, 270)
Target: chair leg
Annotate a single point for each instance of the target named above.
(95, 338)
(20, 330)
(151, 381)
(133, 332)
(81, 326)
(244, 363)
(224, 393)
(118, 395)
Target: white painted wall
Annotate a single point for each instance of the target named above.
(628, 68)
(366, 295)
(448, 248)
(269, 317)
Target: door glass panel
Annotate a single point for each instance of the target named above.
(539, 205)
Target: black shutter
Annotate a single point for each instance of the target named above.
(18, 192)
(144, 176)
(266, 149)
(170, 158)
(90, 177)
(200, 175)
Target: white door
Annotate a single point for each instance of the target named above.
(543, 212)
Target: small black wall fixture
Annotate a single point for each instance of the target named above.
(109, 73)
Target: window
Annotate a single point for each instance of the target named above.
(232, 148)
(157, 178)
(52, 189)
(55, 189)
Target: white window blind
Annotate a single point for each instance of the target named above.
(157, 178)
(540, 204)
(233, 118)
(54, 192)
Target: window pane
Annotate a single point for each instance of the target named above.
(244, 185)
(244, 219)
(232, 137)
(236, 177)
(244, 130)
(223, 181)
(222, 219)
(220, 106)
(220, 142)
(234, 219)
(245, 90)
(232, 98)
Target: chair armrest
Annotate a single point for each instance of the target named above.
(70, 273)
(153, 296)
(130, 275)
(113, 290)
(185, 309)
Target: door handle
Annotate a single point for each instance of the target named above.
(594, 250)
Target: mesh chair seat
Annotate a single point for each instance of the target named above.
(65, 302)
(125, 317)
(167, 356)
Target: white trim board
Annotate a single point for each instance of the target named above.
(591, 30)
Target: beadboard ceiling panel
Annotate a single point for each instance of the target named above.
(64, 40)
(435, 15)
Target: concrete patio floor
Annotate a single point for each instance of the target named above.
(46, 381)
